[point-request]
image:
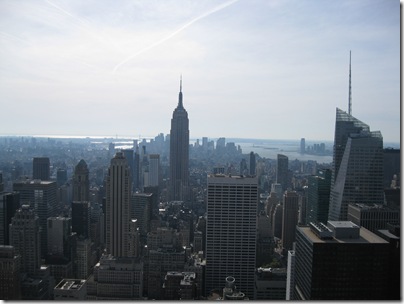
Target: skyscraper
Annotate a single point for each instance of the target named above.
(41, 195)
(81, 200)
(129, 155)
(136, 169)
(41, 168)
(318, 199)
(289, 219)
(282, 171)
(25, 238)
(9, 204)
(357, 175)
(81, 218)
(179, 152)
(231, 231)
(81, 182)
(302, 146)
(252, 163)
(340, 261)
(118, 195)
(154, 170)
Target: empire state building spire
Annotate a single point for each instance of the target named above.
(180, 95)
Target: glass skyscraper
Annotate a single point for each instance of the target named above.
(357, 166)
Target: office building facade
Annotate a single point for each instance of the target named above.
(340, 261)
(231, 231)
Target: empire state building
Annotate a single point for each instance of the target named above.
(179, 152)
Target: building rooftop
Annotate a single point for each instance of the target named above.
(365, 237)
(70, 284)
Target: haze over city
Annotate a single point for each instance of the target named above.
(251, 69)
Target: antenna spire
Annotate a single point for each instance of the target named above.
(180, 94)
(350, 88)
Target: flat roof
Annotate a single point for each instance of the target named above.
(365, 237)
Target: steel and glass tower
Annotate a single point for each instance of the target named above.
(179, 152)
(357, 175)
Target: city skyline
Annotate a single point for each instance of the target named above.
(242, 61)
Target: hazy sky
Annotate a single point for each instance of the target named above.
(251, 68)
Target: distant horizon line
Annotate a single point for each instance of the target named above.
(120, 137)
(59, 136)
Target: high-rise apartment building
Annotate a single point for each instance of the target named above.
(179, 152)
(357, 175)
(318, 196)
(340, 261)
(81, 182)
(41, 168)
(231, 231)
(289, 218)
(118, 194)
(282, 171)
(41, 195)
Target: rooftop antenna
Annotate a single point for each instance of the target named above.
(350, 88)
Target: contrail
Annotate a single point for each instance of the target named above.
(204, 15)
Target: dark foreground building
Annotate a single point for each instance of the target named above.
(340, 261)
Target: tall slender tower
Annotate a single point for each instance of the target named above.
(179, 152)
(357, 175)
(117, 206)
